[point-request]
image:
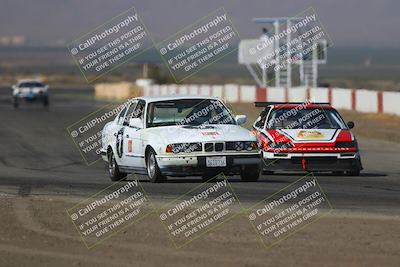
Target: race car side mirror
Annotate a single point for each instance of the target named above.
(241, 119)
(136, 123)
(350, 124)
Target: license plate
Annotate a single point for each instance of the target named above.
(216, 161)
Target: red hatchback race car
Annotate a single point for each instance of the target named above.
(306, 137)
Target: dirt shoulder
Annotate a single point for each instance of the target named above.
(376, 126)
(37, 232)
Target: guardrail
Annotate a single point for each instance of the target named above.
(341, 98)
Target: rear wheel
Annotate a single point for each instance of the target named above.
(113, 169)
(15, 102)
(153, 171)
(45, 101)
(338, 173)
(250, 173)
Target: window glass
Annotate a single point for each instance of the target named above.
(263, 116)
(130, 112)
(309, 118)
(188, 112)
(121, 115)
(30, 84)
(139, 110)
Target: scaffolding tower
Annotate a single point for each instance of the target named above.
(308, 66)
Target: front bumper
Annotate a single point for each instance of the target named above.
(196, 165)
(103, 154)
(30, 97)
(312, 162)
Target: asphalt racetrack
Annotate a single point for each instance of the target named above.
(39, 160)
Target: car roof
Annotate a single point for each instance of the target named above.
(309, 105)
(306, 104)
(150, 99)
(29, 81)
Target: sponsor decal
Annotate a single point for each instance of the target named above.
(310, 134)
(210, 133)
(130, 146)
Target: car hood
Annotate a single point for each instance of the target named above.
(31, 89)
(209, 133)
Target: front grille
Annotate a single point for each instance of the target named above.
(208, 147)
(230, 146)
(236, 146)
(186, 147)
(219, 146)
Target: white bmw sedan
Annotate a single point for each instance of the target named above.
(179, 136)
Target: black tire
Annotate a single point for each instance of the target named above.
(46, 101)
(210, 177)
(15, 103)
(113, 169)
(153, 171)
(338, 173)
(250, 173)
(267, 172)
(353, 173)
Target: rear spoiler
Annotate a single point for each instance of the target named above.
(267, 104)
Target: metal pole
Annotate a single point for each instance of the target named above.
(254, 74)
(276, 46)
(315, 66)
(145, 70)
(289, 55)
(264, 75)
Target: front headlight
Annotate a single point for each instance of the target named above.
(183, 148)
(280, 145)
(349, 144)
(239, 146)
(249, 145)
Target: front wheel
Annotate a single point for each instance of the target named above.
(45, 101)
(250, 173)
(209, 177)
(153, 171)
(267, 172)
(113, 169)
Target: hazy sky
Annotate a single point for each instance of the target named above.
(371, 23)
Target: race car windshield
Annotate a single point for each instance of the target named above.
(192, 112)
(309, 118)
(30, 84)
